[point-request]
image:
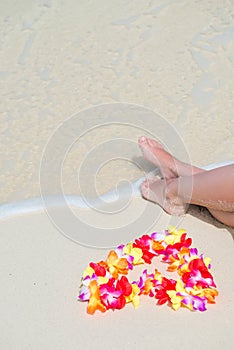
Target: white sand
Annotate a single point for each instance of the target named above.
(40, 274)
(58, 58)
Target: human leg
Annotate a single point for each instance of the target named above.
(212, 189)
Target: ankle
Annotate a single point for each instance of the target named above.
(172, 190)
(176, 203)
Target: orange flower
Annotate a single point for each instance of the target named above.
(209, 293)
(178, 263)
(116, 265)
(157, 246)
(174, 264)
(94, 300)
(147, 286)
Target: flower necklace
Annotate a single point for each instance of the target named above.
(105, 285)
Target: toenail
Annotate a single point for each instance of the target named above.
(142, 138)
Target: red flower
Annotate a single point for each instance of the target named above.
(113, 295)
(198, 264)
(121, 302)
(198, 275)
(144, 244)
(174, 249)
(99, 270)
(124, 286)
(161, 291)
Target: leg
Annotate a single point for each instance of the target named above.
(213, 189)
(225, 217)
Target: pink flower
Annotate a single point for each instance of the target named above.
(112, 294)
(198, 275)
(193, 302)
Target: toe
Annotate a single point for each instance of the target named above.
(142, 141)
(146, 142)
(153, 143)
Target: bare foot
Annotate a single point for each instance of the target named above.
(158, 191)
(169, 166)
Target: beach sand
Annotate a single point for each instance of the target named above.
(40, 275)
(161, 68)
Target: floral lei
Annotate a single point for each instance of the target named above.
(104, 288)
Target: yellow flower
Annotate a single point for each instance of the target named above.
(135, 252)
(157, 276)
(102, 280)
(176, 299)
(88, 272)
(174, 235)
(134, 296)
(207, 261)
